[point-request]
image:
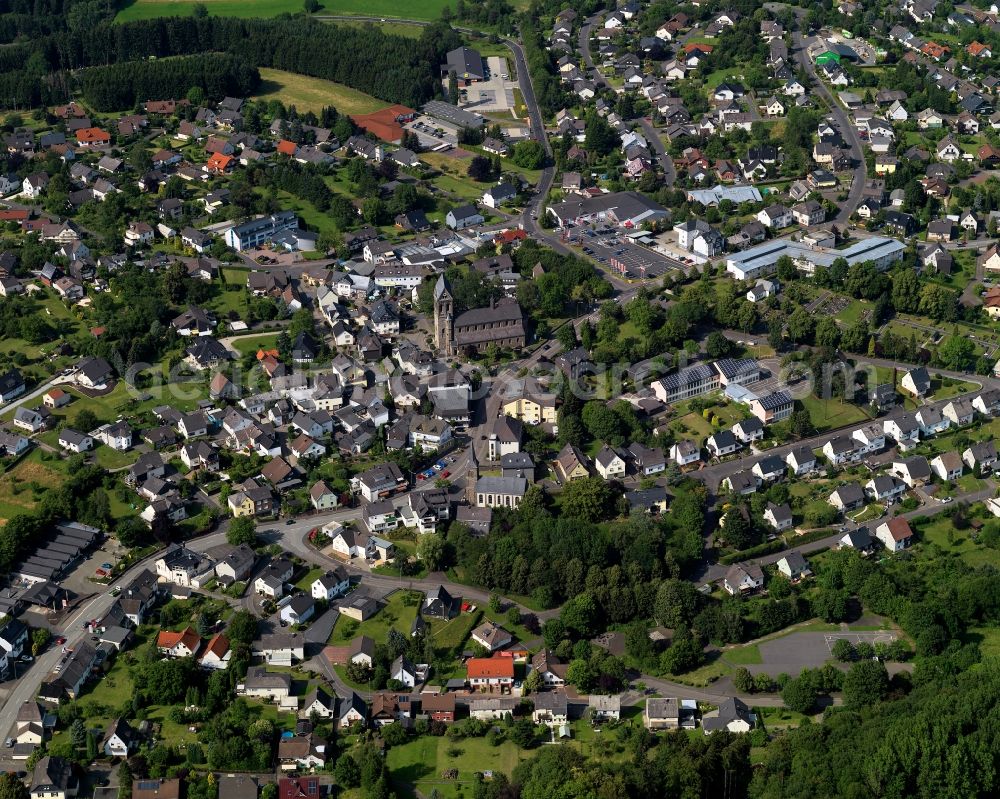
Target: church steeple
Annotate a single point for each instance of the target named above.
(444, 304)
(471, 476)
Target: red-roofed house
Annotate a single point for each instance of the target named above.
(217, 653)
(178, 645)
(92, 137)
(298, 788)
(386, 124)
(219, 163)
(509, 237)
(286, 147)
(934, 50)
(490, 674)
(978, 50)
(56, 398)
(895, 534)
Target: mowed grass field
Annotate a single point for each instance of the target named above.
(312, 94)
(398, 9)
(150, 9)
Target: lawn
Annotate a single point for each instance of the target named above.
(312, 94)
(852, 313)
(306, 581)
(743, 655)
(398, 613)
(392, 28)
(945, 388)
(451, 635)
(940, 531)
(315, 220)
(832, 413)
(704, 675)
(150, 9)
(420, 762)
(777, 718)
(245, 344)
(989, 641)
(398, 9)
(22, 487)
(125, 400)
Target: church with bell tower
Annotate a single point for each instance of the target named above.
(444, 316)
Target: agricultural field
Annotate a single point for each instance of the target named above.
(312, 94)
(150, 9)
(408, 9)
(392, 28)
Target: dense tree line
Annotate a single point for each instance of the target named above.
(491, 13)
(393, 68)
(30, 19)
(937, 741)
(124, 85)
(675, 765)
(549, 92)
(555, 552)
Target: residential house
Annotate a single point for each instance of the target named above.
(915, 471)
(494, 674)
(778, 516)
(743, 578)
(794, 566)
(981, 457)
(847, 497)
(801, 461)
(948, 466)
(885, 488)
(895, 534)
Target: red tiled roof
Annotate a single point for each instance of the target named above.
(490, 667)
(219, 162)
(385, 123)
(218, 645)
(91, 135)
(167, 639)
(899, 529)
(286, 147)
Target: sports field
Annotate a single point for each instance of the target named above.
(311, 94)
(398, 9)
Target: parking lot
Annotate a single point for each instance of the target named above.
(431, 134)
(629, 259)
(790, 654)
(495, 94)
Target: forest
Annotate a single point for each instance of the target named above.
(393, 68)
(125, 85)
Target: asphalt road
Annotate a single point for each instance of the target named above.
(843, 124)
(666, 162)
